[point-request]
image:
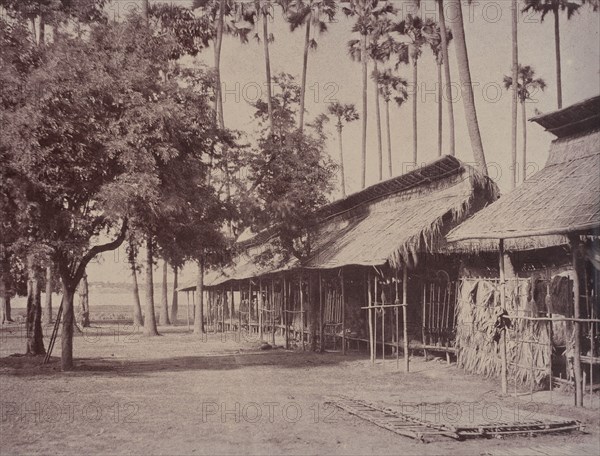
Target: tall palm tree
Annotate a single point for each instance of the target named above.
(367, 13)
(418, 33)
(445, 33)
(344, 113)
(464, 72)
(543, 7)
(390, 85)
(437, 46)
(308, 13)
(526, 84)
(515, 97)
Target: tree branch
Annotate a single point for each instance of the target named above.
(99, 249)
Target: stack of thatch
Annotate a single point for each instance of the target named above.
(528, 342)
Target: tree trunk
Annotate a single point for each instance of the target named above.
(268, 70)
(137, 307)
(524, 158)
(389, 138)
(84, 303)
(378, 120)
(199, 313)
(42, 36)
(414, 110)
(68, 319)
(5, 296)
(164, 301)
(35, 337)
(174, 302)
(342, 174)
(448, 87)
(49, 286)
(363, 156)
(145, 7)
(557, 49)
(515, 95)
(218, 89)
(464, 72)
(304, 70)
(439, 113)
(150, 318)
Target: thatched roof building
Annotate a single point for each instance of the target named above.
(390, 222)
(563, 197)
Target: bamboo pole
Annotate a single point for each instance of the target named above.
(574, 242)
(272, 308)
(503, 373)
(321, 338)
(284, 314)
(370, 301)
(187, 294)
(405, 315)
(397, 312)
(343, 312)
(302, 313)
(260, 310)
(423, 329)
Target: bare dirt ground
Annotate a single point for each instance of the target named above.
(181, 394)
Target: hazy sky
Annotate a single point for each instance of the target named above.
(332, 76)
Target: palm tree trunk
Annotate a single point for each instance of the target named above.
(414, 110)
(304, 70)
(389, 137)
(515, 95)
(164, 302)
(524, 158)
(199, 313)
(342, 175)
(448, 87)
(137, 307)
(557, 48)
(268, 70)
(439, 113)
(150, 318)
(363, 156)
(174, 299)
(378, 119)
(464, 72)
(49, 283)
(218, 44)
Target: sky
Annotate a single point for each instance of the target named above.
(333, 76)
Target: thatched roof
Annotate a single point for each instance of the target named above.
(577, 118)
(389, 222)
(562, 198)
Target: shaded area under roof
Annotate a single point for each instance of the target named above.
(577, 118)
(563, 197)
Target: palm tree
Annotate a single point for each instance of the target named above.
(464, 72)
(436, 44)
(345, 113)
(445, 34)
(387, 84)
(367, 13)
(310, 14)
(544, 7)
(515, 98)
(526, 84)
(418, 33)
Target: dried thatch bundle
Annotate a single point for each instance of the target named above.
(528, 342)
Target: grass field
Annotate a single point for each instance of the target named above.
(182, 394)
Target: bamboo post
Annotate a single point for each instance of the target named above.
(370, 301)
(284, 314)
(302, 313)
(503, 373)
(592, 334)
(320, 313)
(272, 308)
(260, 304)
(405, 315)
(193, 305)
(249, 305)
(574, 242)
(343, 312)
(423, 329)
(397, 312)
(240, 312)
(375, 318)
(187, 294)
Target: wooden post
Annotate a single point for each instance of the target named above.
(240, 311)
(370, 304)
(249, 305)
(405, 316)
(302, 312)
(574, 243)
(423, 338)
(273, 311)
(284, 314)
(321, 313)
(397, 312)
(260, 309)
(187, 294)
(504, 371)
(343, 312)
